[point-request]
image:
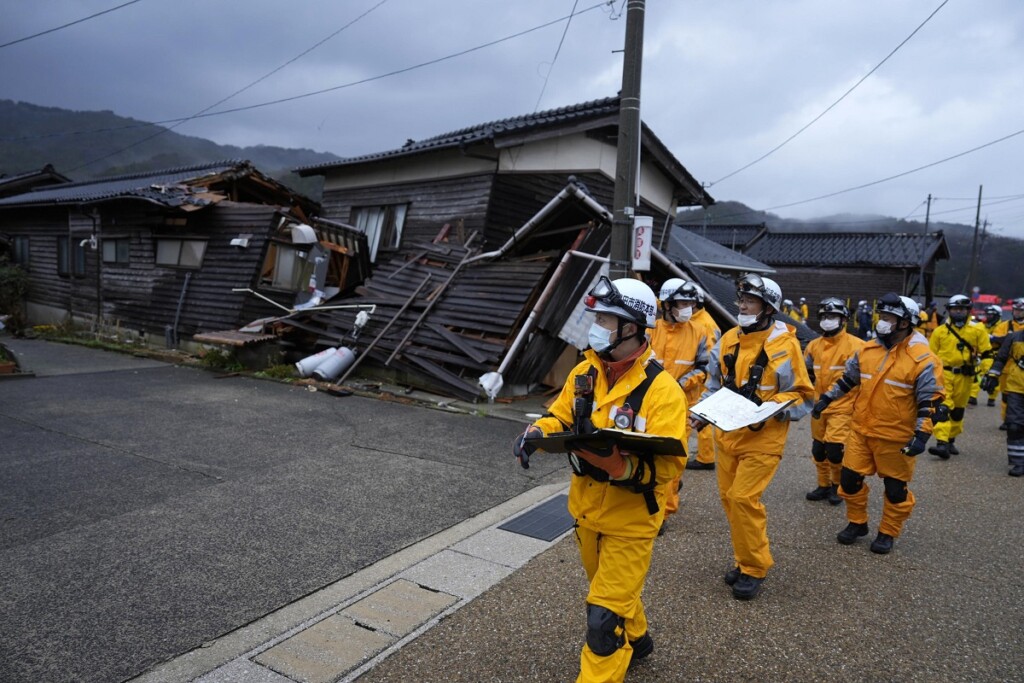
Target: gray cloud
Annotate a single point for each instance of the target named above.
(724, 82)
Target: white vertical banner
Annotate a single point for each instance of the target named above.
(643, 237)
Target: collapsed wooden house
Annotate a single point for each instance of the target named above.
(175, 252)
(486, 241)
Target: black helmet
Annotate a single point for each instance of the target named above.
(899, 306)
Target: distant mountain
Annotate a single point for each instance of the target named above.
(999, 257)
(33, 136)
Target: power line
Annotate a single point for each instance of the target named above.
(831, 106)
(343, 86)
(555, 58)
(232, 95)
(78, 21)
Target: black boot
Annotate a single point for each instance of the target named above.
(1002, 427)
(746, 587)
(972, 401)
(941, 449)
(882, 544)
(698, 465)
(953, 450)
(642, 647)
(833, 495)
(732, 576)
(990, 403)
(851, 533)
(1017, 471)
(820, 493)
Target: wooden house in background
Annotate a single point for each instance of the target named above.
(164, 252)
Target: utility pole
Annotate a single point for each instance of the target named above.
(627, 156)
(925, 294)
(974, 246)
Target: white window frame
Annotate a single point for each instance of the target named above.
(169, 254)
(387, 221)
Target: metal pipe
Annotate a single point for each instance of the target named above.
(542, 301)
(678, 272)
(569, 190)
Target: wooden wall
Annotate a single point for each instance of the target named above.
(847, 283)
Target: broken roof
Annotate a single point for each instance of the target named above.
(732, 236)
(513, 130)
(839, 249)
(182, 187)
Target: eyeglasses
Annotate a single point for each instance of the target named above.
(750, 283)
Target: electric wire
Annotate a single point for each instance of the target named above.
(554, 59)
(72, 23)
(831, 106)
(232, 95)
(314, 93)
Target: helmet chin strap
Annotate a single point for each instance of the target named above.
(620, 323)
(763, 320)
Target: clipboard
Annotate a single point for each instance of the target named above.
(729, 411)
(629, 442)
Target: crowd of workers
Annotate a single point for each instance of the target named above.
(879, 382)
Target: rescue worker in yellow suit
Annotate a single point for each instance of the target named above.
(617, 499)
(931, 319)
(900, 397)
(788, 310)
(683, 349)
(706, 438)
(804, 311)
(826, 358)
(1003, 329)
(761, 360)
(1009, 364)
(993, 316)
(965, 351)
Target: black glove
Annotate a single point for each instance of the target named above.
(523, 449)
(820, 406)
(989, 383)
(940, 414)
(916, 445)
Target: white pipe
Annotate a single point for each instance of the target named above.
(570, 189)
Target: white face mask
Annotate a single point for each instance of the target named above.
(883, 327)
(600, 338)
(746, 320)
(683, 315)
(829, 324)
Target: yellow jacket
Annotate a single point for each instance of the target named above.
(601, 506)
(784, 379)
(703, 318)
(826, 358)
(947, 347)
(1011, 353)
(1005, 327)
(898, 388)
(684, 351)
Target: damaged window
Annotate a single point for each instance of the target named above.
(180, 253)
(115, 250)
(73, 264)
(285, 267)
(382, 225)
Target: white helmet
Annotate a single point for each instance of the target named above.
(678, 289)
(912, 307)
(1018, 304)
(787, 302)
(959, 301)
(765, 289)
(624, 298)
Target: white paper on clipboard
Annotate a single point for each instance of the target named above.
(728, 411)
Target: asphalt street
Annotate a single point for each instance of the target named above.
(149, 508)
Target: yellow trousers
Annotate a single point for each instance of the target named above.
(958, 390)
(706, 445)
(617, 568)
(868, 455)
(830, 428)
(742, 480)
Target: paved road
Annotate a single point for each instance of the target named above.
(946, 605)
(149, 508)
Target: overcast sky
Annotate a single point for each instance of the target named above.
(724, 82)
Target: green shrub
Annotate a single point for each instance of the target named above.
(13, 290)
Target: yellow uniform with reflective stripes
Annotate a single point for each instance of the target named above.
(959, 366)
(976, 389)
(1003, 329)
(827, 357)
(706, 437)
(748, 458)
(614, 531)
(683, 348)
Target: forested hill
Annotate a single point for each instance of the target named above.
(32, 136)
(999, 258)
